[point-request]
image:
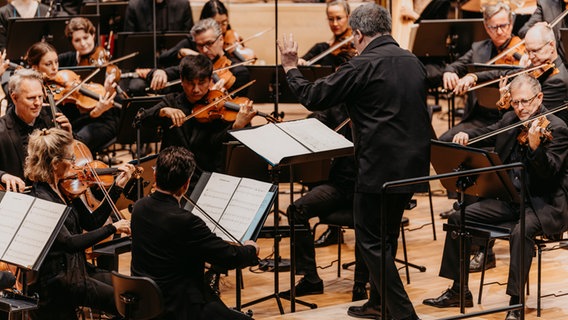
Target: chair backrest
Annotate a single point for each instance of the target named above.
(137, 297)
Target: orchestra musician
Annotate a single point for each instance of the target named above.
(171, 245)
(171, 16)
(391, 128)
(337, 12)
(19, 9)
(65, 280)
(546, 184)
(95, 127)
(27, 115)
(205, 140)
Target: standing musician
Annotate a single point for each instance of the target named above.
(206, 139)
(27, 114)
(388, 110)
(171, 245)
(65, 280)
(95, 127)
(337, 17)
(546, 207)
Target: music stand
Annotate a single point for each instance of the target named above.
(22, 33)
(142, 42)
(84, 71)
(264, 89)
(450, 157)
(126, 132)
(111, 14)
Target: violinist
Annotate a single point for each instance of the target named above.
(337, 12)
(65, 280)
(546, 177)
(81, 34)
(205, 140)
(27, 115)
(170, 245)
(96, 126)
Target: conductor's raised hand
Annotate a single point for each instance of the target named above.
(288, 52)
(176, 115)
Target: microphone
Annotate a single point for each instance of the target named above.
(7, 280)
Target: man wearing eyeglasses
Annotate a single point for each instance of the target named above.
(27, 114)
(546, 177)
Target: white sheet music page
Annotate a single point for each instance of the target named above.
(13, 209)
(34, 233)
(315, 135)
(215, 198)
(244, 206)
(270, 142)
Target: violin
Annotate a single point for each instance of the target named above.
(216, 108)
(86, 97)
(99, 57)
(546, 70)
(348, 47)
(542, 124)
(232, 44)
(515, 50)
(540, 72)
(222, 63)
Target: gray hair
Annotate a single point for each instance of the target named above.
(524, 79)
(204, 25)
(20, 75)
(491, 10)
(371, 19)
(543, 32)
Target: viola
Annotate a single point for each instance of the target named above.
(514, 52)
(542, 124)
(99, 57)
(222, 63)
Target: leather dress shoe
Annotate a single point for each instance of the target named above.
(450, 298)
(513, 315)
(476, 264)
(447, 214)
(366, 311)
(304, 288)
(359, 293)
(327, 238)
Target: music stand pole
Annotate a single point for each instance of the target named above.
(138, 125)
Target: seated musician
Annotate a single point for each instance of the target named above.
(94, 126)
(171, 245)
(26, 91)
(337, 12)
(65, 280)
(546, 181)
(205, 139)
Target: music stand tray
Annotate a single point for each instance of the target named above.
(429, 39)
(126, 131)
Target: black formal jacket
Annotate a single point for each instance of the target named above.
(384, 89)
(546, 168)
(14, 134)
(138, 17)
(171, 245)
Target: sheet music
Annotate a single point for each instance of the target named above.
(281, 145)
(215, 198)
(34, 232)
(244, 206)
(315, 135)
(13, 209)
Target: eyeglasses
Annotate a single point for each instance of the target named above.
(207, 44)
(71, 158)
(524, 102)
(496, 27)
(535, 51)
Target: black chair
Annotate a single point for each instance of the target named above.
(137, 298)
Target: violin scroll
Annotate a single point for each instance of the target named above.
(542, 124)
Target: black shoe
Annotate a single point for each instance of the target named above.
(365, 311)
(513, 315)
(476, 263)
(449, 298)
(447, 214)
(327, 238)
(359, 293)
(304, 288)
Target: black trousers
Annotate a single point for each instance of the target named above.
(367, 210)
(496, 212)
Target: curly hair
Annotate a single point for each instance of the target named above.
(79, 23)
(46, 146)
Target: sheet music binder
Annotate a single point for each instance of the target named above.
(293, 141)
(28, 227)
(240, 205)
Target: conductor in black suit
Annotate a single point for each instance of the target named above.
(384, 88)
(171, 245)
(546, 207)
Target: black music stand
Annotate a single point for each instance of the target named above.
(450, 157)
(130, 108)
(22, 33)
(264, 89)
(143, 42)
(111, 14)
(84, 71)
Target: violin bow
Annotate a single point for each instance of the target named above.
(328, 51)
(512, 75)
(221, 99)
(254, 36)
(78, 86)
